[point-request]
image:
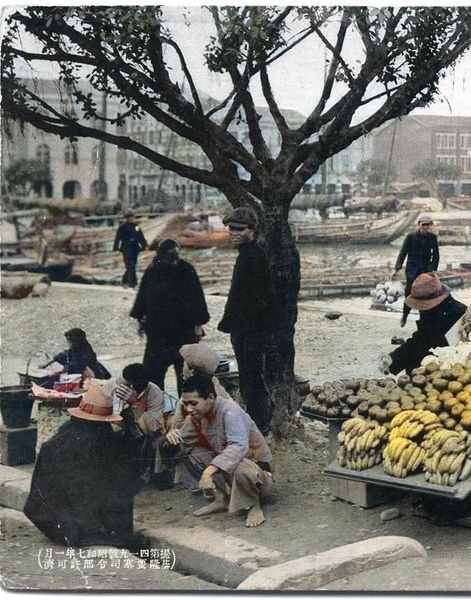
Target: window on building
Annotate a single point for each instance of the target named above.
(71, 189)
(331, 188)
(445, 141)
(71, 154)
(465, 141)
(151, 137)
(446, 160)
(465, 164)
(99, 189)
(318, 189)
(43, 154)
(43, 188)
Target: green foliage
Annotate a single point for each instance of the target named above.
(26, 172)
(430, 170)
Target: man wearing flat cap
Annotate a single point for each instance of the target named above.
(421, 249)
(249, 314)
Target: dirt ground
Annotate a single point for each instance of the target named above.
(302, 516)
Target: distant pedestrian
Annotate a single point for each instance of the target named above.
(421, 249)
(171, 309)
(249, 315)
(129, 241)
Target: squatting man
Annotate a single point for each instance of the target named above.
(219, 451)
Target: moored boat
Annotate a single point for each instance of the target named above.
(354, 231)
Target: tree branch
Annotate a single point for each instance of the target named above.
(272, 105)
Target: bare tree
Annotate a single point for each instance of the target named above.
(401, 53)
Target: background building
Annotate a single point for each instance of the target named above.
(416, 138)
(83, 169)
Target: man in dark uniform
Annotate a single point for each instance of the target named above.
(130, 241)
(249, 315)
(421, 249)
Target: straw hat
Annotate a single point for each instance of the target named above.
(200, 357)
(427, 292)
(95, 405)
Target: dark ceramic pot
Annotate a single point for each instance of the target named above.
(16, 404)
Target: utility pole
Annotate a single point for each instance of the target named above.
(102, 152)
(324, 164)
(388, 168)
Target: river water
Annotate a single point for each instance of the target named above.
(361, 255)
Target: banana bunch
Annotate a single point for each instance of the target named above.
(412, 424)
(447, 456)
(402, 456)
(360, 443)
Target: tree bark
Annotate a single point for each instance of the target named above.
(285, 270)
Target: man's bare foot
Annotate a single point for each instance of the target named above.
(255, 516)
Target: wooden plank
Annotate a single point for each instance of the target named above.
(412, 483)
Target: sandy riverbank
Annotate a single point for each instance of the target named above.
(325, 350)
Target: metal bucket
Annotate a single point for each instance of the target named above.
(16, 403)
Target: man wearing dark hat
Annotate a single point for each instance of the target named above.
(421, 249)
(438, 311)
(171, 309)
(129, 241)
(249, 315)
(83, 483)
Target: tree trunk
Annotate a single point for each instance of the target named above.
(285, 268)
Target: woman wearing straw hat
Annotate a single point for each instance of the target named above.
(438, 311)
(83, 487)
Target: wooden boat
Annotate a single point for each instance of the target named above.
(354, 231)
(56, 270)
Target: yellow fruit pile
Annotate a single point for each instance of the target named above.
(360, 443)
(447, 457)
(403, 453)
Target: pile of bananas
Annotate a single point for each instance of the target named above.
(402, 456)
(360, 443)
(413, 424)
(447, 456)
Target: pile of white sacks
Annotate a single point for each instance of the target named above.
(388, 293)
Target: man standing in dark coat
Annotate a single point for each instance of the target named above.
(171, 309)
(249, 315)
(421, 249)
(83, 483)
(129, 241)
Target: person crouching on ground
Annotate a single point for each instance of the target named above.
(83, 486)
(221, 450)
(140, 403)
(438, 311)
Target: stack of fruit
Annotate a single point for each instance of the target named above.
(447, 456)
(360, 443)
(403, 453)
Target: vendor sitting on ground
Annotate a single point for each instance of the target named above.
(83, 486)
(80, 356)
(221, 451)
(438, 311)
(140, 403)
